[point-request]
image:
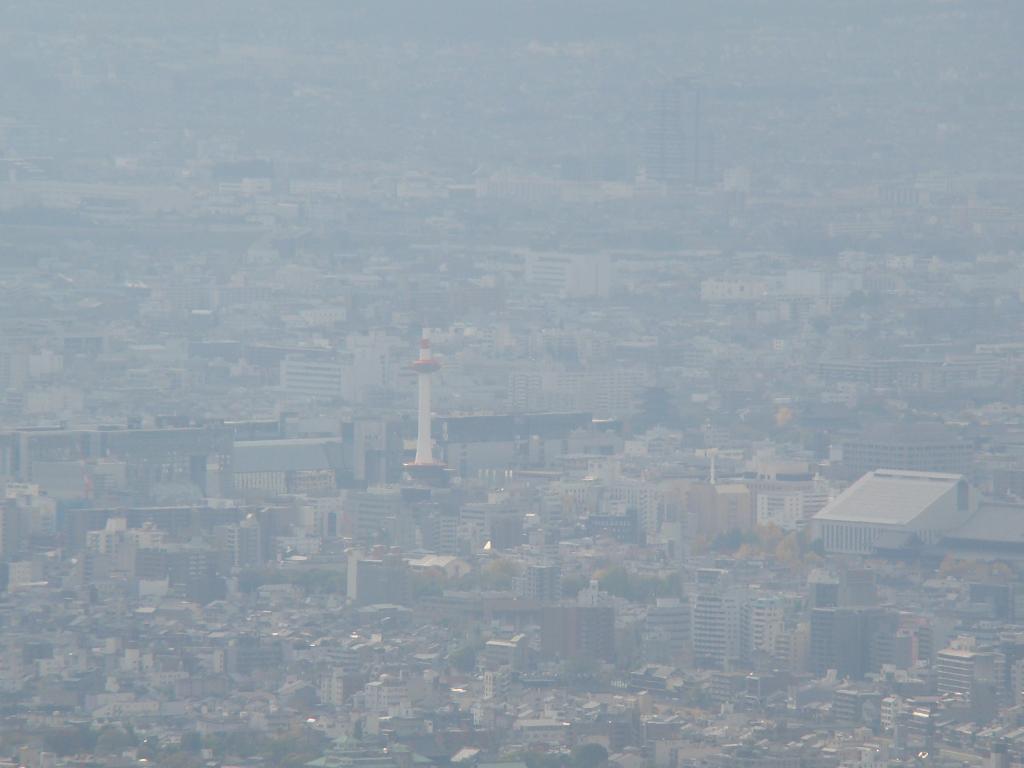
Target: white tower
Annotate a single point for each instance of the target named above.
(424, 469)
(424, 367)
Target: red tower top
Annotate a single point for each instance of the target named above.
(428, 365)
(425, 364)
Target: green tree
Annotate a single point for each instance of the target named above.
(113, 740)
(149, 748)
(729, 541)
(589, 756)
(498, 574)
(191, 741)
(463, 659)
(790, 550)
(69, 741)
(615, 581)
(181, 760)
(428, 583)
(571, 585)
(537, 759)
(619, 582)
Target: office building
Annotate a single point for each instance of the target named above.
(714, 509)
(914, 447)
(312, 377)
(542, 583)
(719, 623)
(667, 629)
(961, 672)
(569, 275)
(578, 631)
(679, 147)
(852, 641)
(381, 577)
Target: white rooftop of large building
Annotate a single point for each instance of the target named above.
(889, 497)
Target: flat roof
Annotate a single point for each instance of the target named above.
(302, 454)
(995, 522)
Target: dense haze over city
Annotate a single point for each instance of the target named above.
(511, 384)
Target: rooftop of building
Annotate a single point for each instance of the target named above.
(889, 497)
(298, 454)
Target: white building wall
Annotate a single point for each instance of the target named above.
(314, 379)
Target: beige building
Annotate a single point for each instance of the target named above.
(717, 509)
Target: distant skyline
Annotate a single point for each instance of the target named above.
(511, 384)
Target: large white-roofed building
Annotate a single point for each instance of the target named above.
(887, 503)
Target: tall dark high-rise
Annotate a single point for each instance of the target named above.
(679, 146)
(852, 641)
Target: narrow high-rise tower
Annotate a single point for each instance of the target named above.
(679, 146)
(424, 468)
(424, 367)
